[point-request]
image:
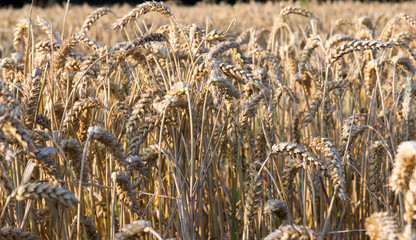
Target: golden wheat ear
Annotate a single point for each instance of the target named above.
(404, 164)
(16, 233)
(125, 192)
(44, 191)
(381, 225)
(292, 232)
(136, 229)
(276, 207)
(92, 18)
(141, 10)
(89, 229)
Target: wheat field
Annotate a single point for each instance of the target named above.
(252, 121)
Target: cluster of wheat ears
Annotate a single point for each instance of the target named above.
(184, 133)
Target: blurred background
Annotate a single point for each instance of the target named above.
(46, 3)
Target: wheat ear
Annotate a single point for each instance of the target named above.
(141, 10)
(276, 208)
(73, 152)
(90, 229)
(410, 208)
(6, 156)
(337, 39)
(18, 33)
(376, 154)
(106, 138)
(334, 162)
(32, 87)
(125, 191)
(44, 191)
(358, 45)
(92, 18)
(408, 19)
(404, 164)
(9, 233)
(10, 115)
(298, 11)
(381, 225)
(47, 28)
(292, 232)
(136, 229)
(295, 151)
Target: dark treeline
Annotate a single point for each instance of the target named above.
(45, 3)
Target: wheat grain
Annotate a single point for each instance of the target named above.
(254, 197)
(406, 36)
(405, 48)
(409, 204)
(6, 156)
(343, 21)
(100, 50)
(40, 157)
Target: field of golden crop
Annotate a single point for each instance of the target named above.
(253, 121)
